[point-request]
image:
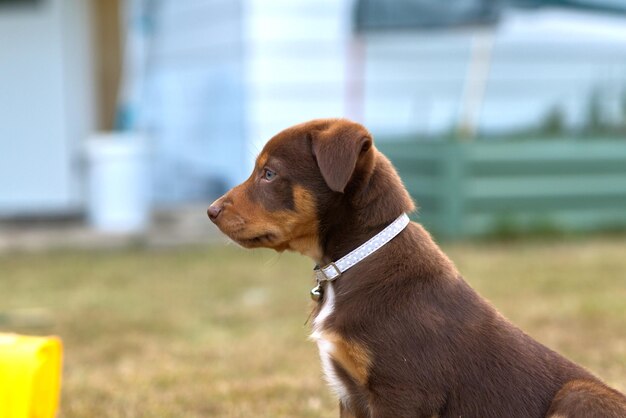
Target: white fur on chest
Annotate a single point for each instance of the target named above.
(327, 347)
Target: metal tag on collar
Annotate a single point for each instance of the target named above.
(317, 293)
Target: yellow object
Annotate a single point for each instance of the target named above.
(30, 376)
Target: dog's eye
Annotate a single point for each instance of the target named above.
(269, 175)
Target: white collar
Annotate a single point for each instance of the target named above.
(331, 271)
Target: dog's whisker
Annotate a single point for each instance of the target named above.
(273, 260)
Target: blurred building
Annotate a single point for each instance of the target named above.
(496, 68)
(47, 104)
(219, 77)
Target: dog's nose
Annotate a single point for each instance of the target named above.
(214, 211)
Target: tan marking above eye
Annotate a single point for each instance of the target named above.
(262, 160)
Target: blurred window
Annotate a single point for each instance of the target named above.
(397, 14)
(403, 14)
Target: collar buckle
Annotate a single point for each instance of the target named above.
(331, 278)
(326, 273)
(322, 276)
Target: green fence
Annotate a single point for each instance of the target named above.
(485, 187)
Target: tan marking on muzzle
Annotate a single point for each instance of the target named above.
(295, 230)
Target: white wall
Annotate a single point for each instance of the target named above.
(196, 97)
(303, 61)
(296, 63)
(226, 75)
(46, 105)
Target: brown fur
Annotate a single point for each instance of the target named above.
(580, 398)
(411, 338)
(351, 356)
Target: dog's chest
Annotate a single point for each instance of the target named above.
(326, 345)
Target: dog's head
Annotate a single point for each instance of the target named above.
(305, 176)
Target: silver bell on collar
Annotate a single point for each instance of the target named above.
(317, 292)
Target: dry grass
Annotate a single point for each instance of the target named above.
(219, 332)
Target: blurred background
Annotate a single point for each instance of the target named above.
(183, 95)
(121, 120)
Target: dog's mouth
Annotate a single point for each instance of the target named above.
(247, 235)
(256, 241)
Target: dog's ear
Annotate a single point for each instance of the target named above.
(337, 149)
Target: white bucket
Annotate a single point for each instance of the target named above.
(118, 184)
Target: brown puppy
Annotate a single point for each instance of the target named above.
(401, 334)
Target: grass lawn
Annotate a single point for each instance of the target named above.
(219, 332)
